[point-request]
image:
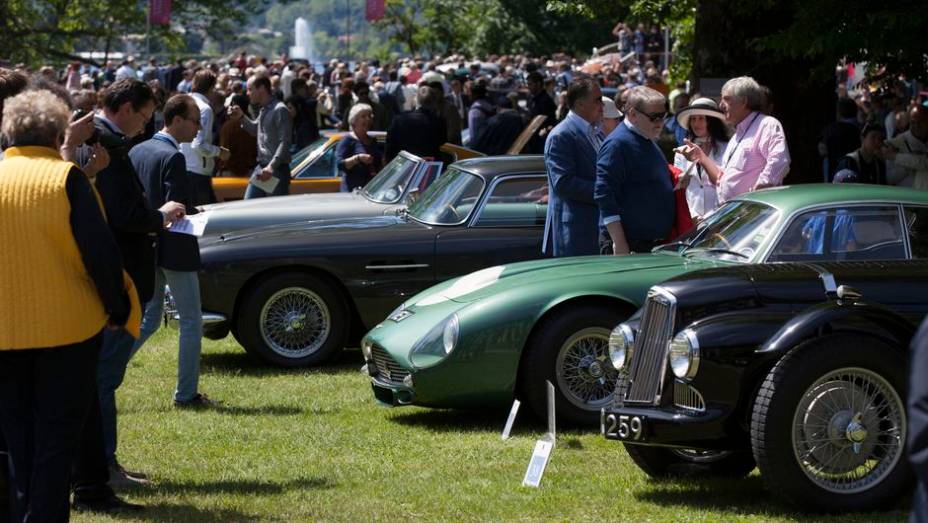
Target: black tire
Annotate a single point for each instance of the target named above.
(311, 341)
(539, 364)
(662, 462)
(824, 368)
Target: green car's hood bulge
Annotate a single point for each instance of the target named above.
(553, 273)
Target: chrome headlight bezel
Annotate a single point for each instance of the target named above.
(621, 346)
(683, 354)
(366, 346)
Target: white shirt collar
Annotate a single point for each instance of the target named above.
(109, 123)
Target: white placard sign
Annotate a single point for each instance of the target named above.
(512, 419)
(540, 457)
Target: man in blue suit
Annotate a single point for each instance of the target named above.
(572, 223)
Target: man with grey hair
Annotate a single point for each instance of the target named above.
(757, 155)
(633, 188)
(421, 132)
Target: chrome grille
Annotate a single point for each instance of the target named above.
(649, 360)
(387, 368)
(688, 398)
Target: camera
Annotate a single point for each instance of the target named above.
(95, 137)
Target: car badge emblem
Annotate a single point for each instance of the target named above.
(400, 316)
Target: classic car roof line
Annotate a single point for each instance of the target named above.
(806, 195)
(491, 167)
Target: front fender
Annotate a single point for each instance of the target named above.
(841, 316)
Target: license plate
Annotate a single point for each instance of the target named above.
(625, 427)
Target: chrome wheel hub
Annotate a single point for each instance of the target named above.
(584, 373)
(295, 322)
(849, 430)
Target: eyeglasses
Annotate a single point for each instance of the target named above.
(652, 116)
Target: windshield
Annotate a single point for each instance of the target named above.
(390, 183)
(734, 232)
(448, 201)
(304, 153)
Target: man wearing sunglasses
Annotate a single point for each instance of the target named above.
(633, 188)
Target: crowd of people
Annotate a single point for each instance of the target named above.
(110, 158)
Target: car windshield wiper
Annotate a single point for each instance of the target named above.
(717, 250)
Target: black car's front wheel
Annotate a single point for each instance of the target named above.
(661, 462)
(571, 350)
(293, 319)
(829, 425)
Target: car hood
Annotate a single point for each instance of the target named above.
(493, 280)
(243, 214)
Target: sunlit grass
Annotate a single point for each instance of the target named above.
(309, 445)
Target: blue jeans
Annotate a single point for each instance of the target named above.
(282, 189)
(111, 369)
(119, 347)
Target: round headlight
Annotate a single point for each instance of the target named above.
(450, 335)
(684, 354)
(621, 344)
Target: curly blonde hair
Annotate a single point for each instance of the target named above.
(34, 118)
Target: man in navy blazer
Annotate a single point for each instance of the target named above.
(633, 187)
(572, 223)
(918, 422)
(160, 165)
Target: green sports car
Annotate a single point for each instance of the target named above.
(479, 340)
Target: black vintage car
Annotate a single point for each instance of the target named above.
(797, 367)
(294, 294)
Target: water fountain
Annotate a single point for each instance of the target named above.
(303, 48)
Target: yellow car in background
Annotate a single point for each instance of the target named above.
(314, 168)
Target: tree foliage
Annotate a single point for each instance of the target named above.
(481, 27)
(34, 31)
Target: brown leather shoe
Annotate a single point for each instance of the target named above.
(200, 401)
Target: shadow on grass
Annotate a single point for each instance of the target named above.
(746, 496)
(243, 364)
(241, 486)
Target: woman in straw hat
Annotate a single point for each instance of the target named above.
(705, 126)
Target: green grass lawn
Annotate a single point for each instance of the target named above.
(312, 445)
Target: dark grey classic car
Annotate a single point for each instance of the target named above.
(294, 294)
(391, 189)
(798, 367)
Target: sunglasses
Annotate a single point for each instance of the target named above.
(652, 116)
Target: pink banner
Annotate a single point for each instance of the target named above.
(159, 12)
(375, 10)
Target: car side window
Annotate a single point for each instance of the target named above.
(517, 202)
(843, 234)
(322, 167)
(916, 222)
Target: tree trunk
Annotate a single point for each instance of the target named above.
(804, 102)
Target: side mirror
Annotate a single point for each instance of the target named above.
(412, 196)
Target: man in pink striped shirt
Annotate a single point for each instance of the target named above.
(757, 155)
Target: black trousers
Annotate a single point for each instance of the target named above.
(201, 188)
(45, 395)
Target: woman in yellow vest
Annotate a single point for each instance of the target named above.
(61, 284)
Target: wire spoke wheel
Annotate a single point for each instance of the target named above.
(585, 375)
(295, 322)
(848, 430)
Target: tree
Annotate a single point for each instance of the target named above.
(793, 46)
(33, 31)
